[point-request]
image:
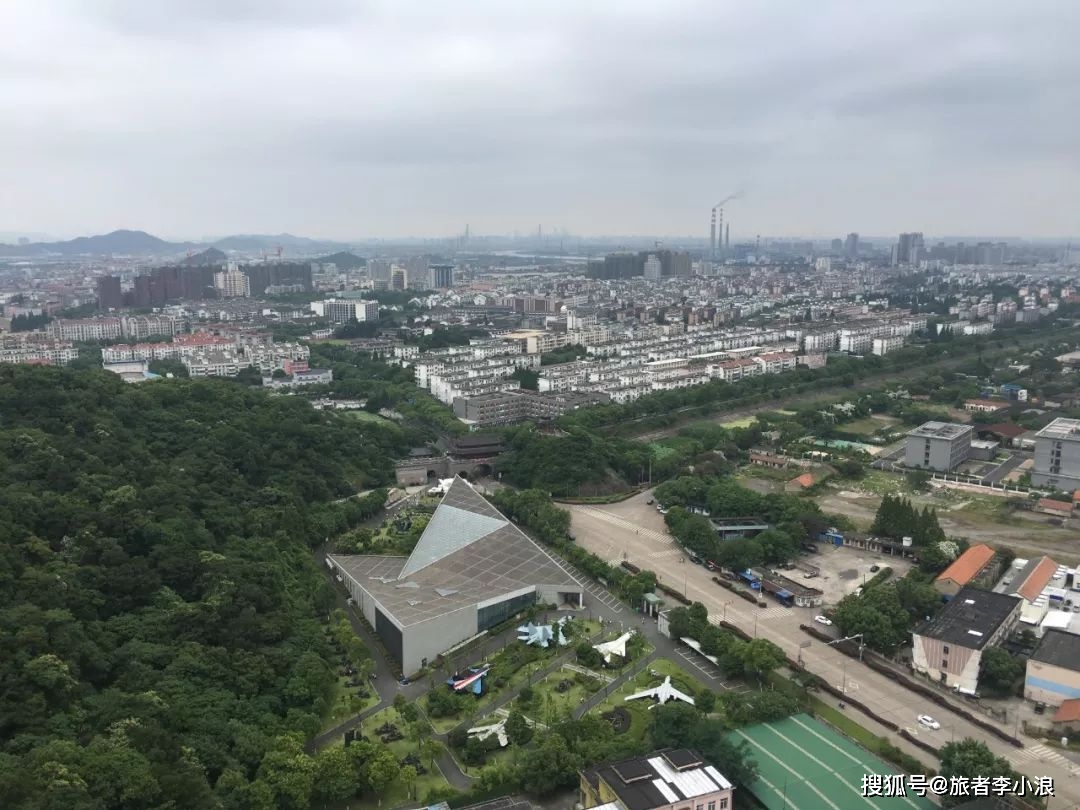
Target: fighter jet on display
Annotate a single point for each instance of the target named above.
(461, 683)
(662, 693)
(543, 634)
(497, 729)
(616, 647)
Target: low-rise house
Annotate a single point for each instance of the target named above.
(974, 564)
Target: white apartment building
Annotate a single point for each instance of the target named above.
(652, 269)
(144, 326)
(884, 345)
(232, 284)
(346, 310)
(90, 329)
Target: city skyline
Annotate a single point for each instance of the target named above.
(341, 123)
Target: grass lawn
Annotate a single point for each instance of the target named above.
(365, 416)
(868, 426)
(768, 473)
(639, 709)
(549, 704)
(745, 422)
(396, 795)
(342, 708)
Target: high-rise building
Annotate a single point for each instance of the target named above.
(399, 279)
(836, 245)
(681, 265)
(109, 295)
(909, 248)
(618, 265)
(379, 270)
(441, 276)
(652, 268)
(232, 283)
(851, 245)
(344, 311)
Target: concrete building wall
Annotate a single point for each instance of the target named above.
(426, 640)
(1057, 463)
(940, 454)
(950, 664)
(1050, 684)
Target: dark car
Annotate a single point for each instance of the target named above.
(874, 569)
(810, 547)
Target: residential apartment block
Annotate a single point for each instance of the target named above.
(1057, 455)
(939, 446)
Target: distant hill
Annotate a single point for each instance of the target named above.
(344, 260)
(140, 243)
(118, 242)
(210, 256)
(257, 242)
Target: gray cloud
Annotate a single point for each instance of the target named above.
(343, 118)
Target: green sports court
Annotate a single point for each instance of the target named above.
(805, 765)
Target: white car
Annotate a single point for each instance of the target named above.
(929, 722)
(823, 620)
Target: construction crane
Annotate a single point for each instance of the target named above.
(280, 249)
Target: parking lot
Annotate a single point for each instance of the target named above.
(844, 569)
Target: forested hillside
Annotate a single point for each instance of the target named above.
(159, 605)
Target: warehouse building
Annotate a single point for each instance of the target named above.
(471, 570)
(1053, 671)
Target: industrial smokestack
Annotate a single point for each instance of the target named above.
(712, 235)
(721, 224)
(727, 236)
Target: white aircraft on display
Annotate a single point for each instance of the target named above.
(662, 693)
(616, 647)
(498, 729)
(444, 485)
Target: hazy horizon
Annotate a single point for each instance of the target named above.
(331, 119)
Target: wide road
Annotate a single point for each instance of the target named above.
(634, 531)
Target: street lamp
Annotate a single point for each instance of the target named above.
(756, 617)
(728, 602)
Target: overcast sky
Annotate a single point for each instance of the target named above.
(348, 118)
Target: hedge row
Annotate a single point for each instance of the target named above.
(629, 566)
(749, 597)
(674, 594)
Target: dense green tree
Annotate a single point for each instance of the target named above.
(968, 759)
(878, 615)
(335, 776)
(705, 700)
(517, 730)
(379, 771)
(999, 671)
(159, 605)
(760, 657)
